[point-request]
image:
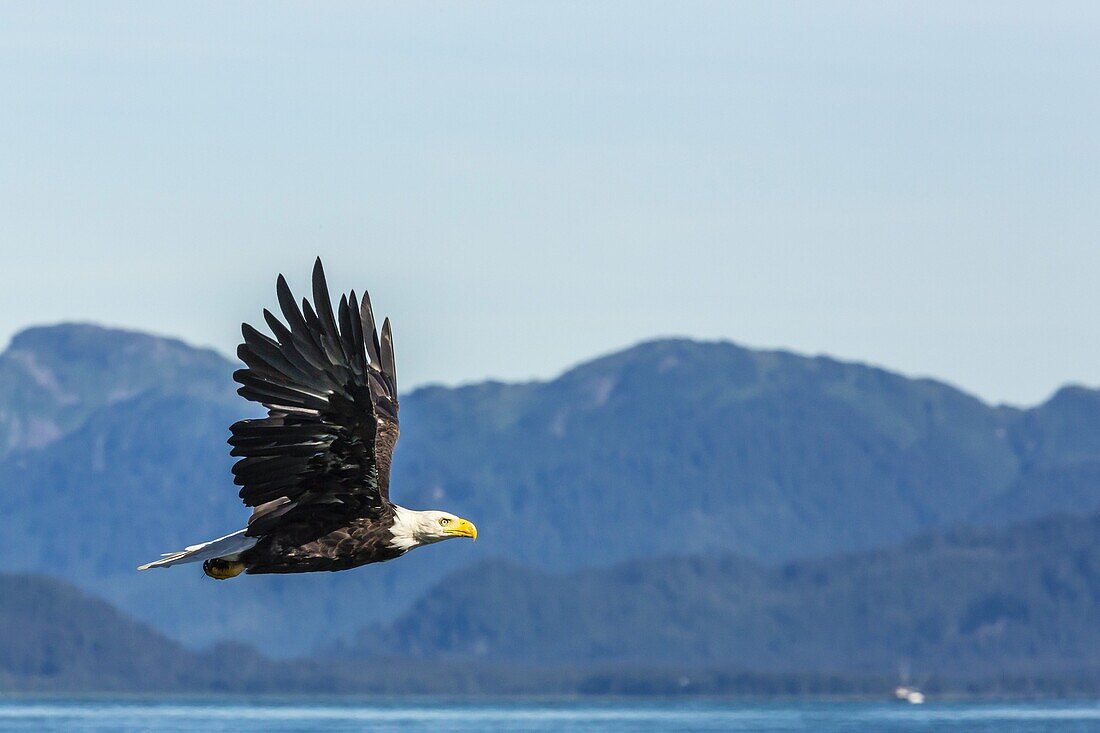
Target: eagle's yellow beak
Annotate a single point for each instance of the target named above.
(462, 528)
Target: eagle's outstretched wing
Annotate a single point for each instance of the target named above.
(322, 455)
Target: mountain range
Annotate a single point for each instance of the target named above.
(965, 611)
(113, 451)
(961, 604)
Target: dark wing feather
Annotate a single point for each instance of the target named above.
(323, 453)
(370, 333)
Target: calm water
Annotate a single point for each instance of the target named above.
(244, 716)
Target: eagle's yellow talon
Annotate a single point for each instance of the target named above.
(222, 569)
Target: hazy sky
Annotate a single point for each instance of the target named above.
(523, 186)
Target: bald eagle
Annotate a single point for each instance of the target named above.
(316, 470)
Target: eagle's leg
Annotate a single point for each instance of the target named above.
(220, 569)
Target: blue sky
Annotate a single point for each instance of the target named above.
(523, 186)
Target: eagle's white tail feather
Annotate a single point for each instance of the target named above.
(227, 547)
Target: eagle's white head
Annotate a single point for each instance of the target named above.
(412, 528)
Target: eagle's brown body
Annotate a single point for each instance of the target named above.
(361, 542)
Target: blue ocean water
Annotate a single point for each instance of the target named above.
(645, 716)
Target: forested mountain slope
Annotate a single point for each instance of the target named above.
(116, 452)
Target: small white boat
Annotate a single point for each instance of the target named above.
(911, 695)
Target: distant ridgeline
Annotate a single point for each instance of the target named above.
(1009, 611)
(112, 447)
(957, 605)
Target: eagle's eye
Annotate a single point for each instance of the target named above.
(444, 521)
